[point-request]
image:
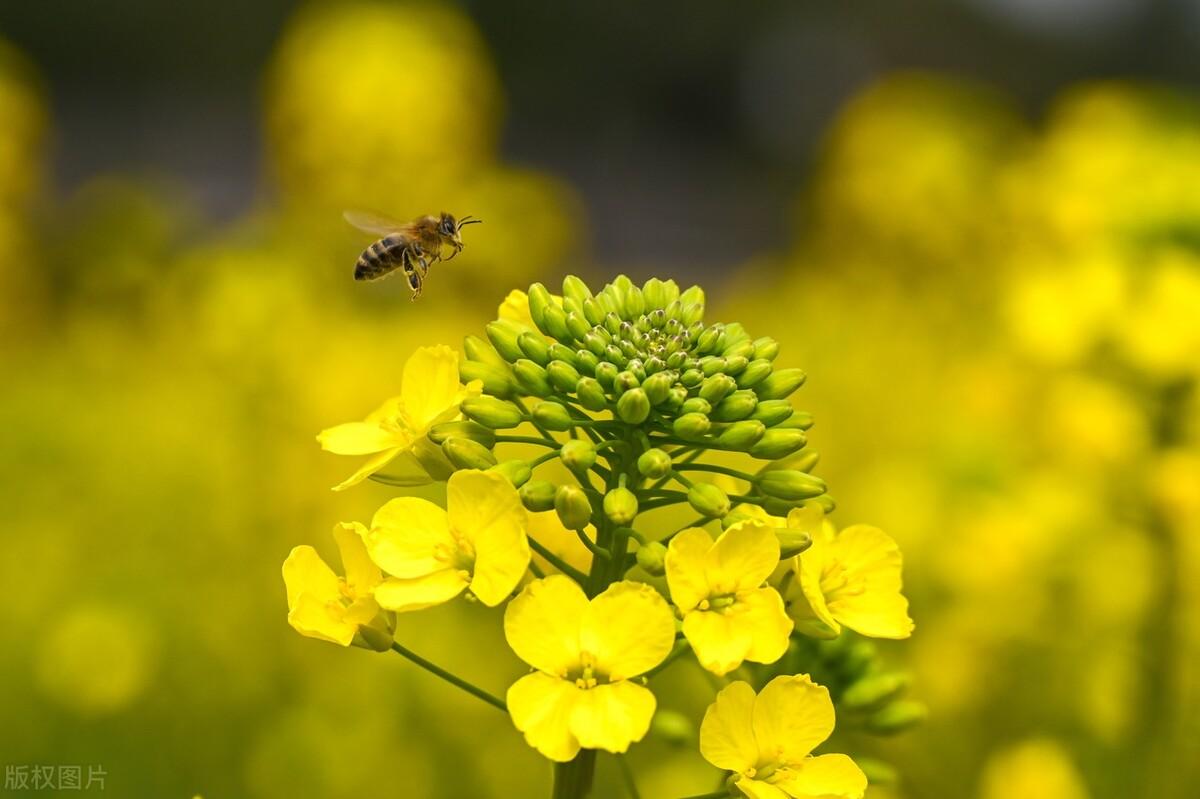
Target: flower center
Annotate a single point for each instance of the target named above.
(460, 555)
(587, 675)
(835, 580)
(720, 603)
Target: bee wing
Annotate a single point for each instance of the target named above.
(374, 223)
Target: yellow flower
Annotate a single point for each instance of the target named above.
(728, 614)
(767, 741)
(430, 393)
(586, 654)
(331, 608)
(432, 554)
(515, 308)
(850, 578)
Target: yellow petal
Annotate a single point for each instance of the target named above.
(686, 565)
(540, 707)
(405, 470)
(727, 732)
(361, 611)
(719, 642)
(761, 612)
(743, 557)
(324, 620)
(486, 510)
(832, 776)
(515, 308)
(373, 465)
(409, 537)
(418, 593)
(305, 573)
(874, 606)
(810, 603)
(430, 386)
(757, 789)
(792, 716)
(629, 628)
(612, 716)
(360, 438)
(542, 624)
(362, 575)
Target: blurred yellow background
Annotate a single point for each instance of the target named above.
(1001, 324)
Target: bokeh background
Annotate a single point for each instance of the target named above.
(975, 223)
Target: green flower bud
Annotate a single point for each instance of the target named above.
(856, 659)
(635, 366)
(741, 349)
(675, 398)
(878, 772)
(780, 384)
(735, 407)
(613, 354)
(479, 350)
(654, 295)
(517, 472)
(574, 510)
(693, 296)
(779, 444)
(825, 502)
(676, 360)
(800, 461)
(674, 310)
(591, 394)
(556, 324)
(539, 300)
(497, 380)
(779, 507)
(735, 364)
(766, 347)
(692, 378)
(897, 717)
(552, 416)
(586, 361)
(606, 373)
(741, 436)
(715, 388)
(654, 463)
(503, 335)
(496, 414)
(595, 343)
(658, 387)
(621, 506)
(772, 412)
(633, 407)
(692, 312)
(696, 405)
(463, 429)
(374, 636)
(800, 420)
(467, 454)
(561, 352)
(792, 542)
(709, 340)
(577, 325)
(755, 372)
(593, 311)
(708, 500)
(532, 378)
(652, 557)
(535, 347)
(538, 495)
(790, 484)
(563, 376)
(691, 426)
(875, 690)
(711, 365)
(578, 454)
(612, 323)
(635, 303)
(576, 289)
(571, 306)
(624, 381)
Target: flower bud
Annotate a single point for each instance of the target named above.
(496, 414)
(675, 398)
(801, 420)
(692, 378)
(654, 463)
(654, 295)
(792, 542)
(652, 557)
(503, 335)
(467, 454)
(593, 311)
(735, 407)
(878, 772)
(463, 429)
(633, 407)
(790, 484)
(658, 387)
(779, 507)
(801, 461)
(621, 506)
(479, 350)
(577, 325)
(696, 405)
(591, 394)
(578, 454)
(595, 343)
(709, 340)
(532, 378)
(874, 690)
(497, 380)
(606, 373)
(755, 372)
(574, 510)
(741, 436)
(691, 426)
(772, 412)
(535, 347)
(741, 349)
(734, 364)
(624, 381)
(708, 500)
(613, 354)
(555, 323)
(562, 375)
(897, 717)
(711, 365)
(539, 300)
(374, 636)
(612, 322)
(766, 347)
(517, 472)
(538, 495)
(825, 502)
(715, 388)
(779, 444)
(586, 361)
(552, 416)
(560, 352)
(780, 384)
(635, 303)
(576, 289)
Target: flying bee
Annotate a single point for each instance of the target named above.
(412, 246)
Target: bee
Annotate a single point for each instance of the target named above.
(412, 246)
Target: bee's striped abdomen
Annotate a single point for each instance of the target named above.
(382, 258)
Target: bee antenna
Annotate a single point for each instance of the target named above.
(466, 220)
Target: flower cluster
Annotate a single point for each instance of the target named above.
(621, 401)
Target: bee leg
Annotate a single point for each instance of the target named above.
(413, 274)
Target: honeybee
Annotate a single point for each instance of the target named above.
(412, 246)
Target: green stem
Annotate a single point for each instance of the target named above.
(681, 649)
(596, 551)
(432, 668)
(556, 561)
(712, 467)
(627, 776)
(540, 459)
(528, 440)
(573, 780)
